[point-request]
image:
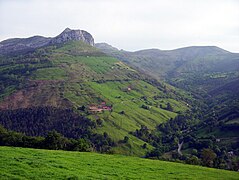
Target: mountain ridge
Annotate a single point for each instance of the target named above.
(104, 45)
(168, 63)
(18, 45)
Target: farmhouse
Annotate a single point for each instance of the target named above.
(100, 107)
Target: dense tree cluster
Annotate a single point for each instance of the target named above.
(39, 121)
(205, 151)
(53, 140)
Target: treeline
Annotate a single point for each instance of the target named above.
(39, 121)
(53, 140)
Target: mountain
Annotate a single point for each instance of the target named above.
(211, 75)
(106, 47)
(174, 105)
(20, 45)
(198, 69)
(67, 81)
(176, 63)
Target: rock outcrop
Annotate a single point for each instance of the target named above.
(17, 45)
(73, 35)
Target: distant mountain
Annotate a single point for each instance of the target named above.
(175, 65)
(202, 70)
(18, 45)
(106, 47)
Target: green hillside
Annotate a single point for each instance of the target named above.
(23, 163)
(196, 68)
(78, 76)
(211, 75)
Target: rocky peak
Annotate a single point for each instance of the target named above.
(17, 45)
(73, 35)
(67, 30)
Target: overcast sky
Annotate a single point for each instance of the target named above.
(128, 24)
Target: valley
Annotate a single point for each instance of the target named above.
(210, 74)
(69, 94)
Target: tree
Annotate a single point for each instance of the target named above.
(156, 153)
(208, 157)
(81, 145)
(194, 152)
(54, 140)
(126, 139)
(193, 160)
(144, 146)
(99, 122)
(122, 112)
(3, 135)
(145, 107)
(169, 107)
(105, 134)
(82, 108)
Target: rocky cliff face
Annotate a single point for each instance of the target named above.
(16, 45)
(73, 35)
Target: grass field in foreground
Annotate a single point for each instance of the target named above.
(23, 163)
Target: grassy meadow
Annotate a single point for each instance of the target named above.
(23, 163)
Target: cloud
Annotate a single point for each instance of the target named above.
(130, 25)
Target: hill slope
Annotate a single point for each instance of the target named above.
(75, 75)
(196, 65)
(25, 163)
(211, 74)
